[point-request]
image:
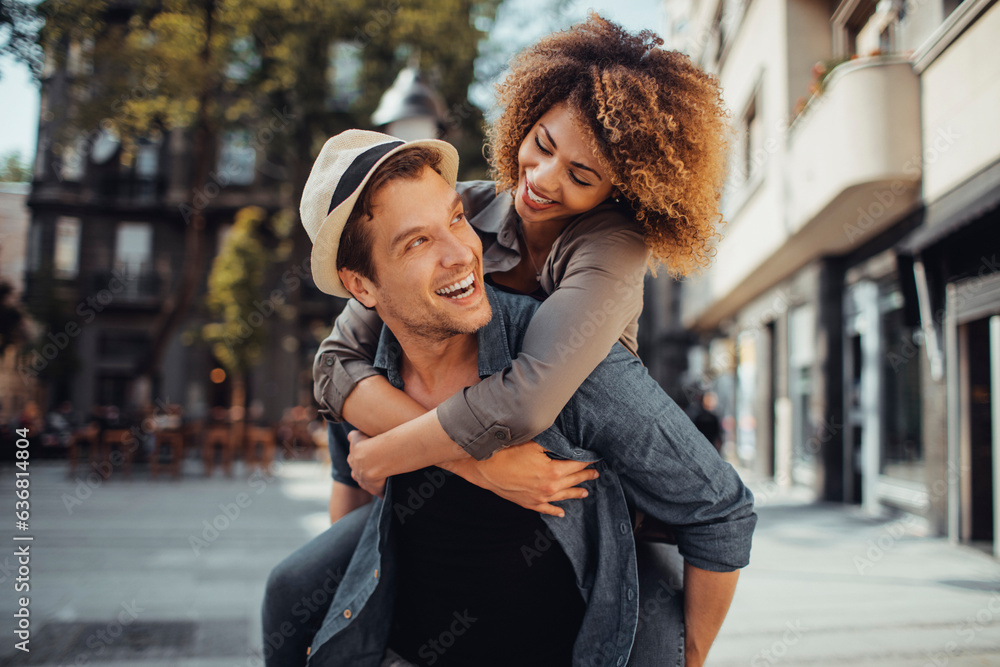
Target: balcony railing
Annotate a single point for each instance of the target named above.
(855, 154)
(127, 289)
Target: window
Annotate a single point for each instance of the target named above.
(73, 160)
(865, 27)
(147, 160)
(134, 248)
(752, 140)
(34, 246)
(237, 160)
(343, 75)
(901, 346)
(67, 248)
(801, 359)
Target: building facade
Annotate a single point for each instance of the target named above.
(861, 202)
(106, 247)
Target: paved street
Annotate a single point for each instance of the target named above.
(128, 573)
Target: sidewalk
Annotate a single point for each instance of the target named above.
(828, 585)
(171, 573)
(155, 572)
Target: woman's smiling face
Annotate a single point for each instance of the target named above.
(559, 177)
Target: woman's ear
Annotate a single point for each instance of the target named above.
(359, 286)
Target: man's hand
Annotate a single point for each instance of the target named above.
(526, 476)
(358, 460)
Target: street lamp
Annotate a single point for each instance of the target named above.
(410, 109)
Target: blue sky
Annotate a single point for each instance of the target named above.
(19, 109)
(19, 94)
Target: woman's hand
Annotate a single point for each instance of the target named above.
(359, 460)
(526, 476)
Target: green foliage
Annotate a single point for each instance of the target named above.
(13, 169)
(155, 66)
(235, 295)
(19, 23)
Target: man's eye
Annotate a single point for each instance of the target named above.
(415, 242)
(542, 148)
(458, 218)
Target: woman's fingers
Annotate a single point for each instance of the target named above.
(546, 508)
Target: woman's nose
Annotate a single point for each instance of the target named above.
(544, 177)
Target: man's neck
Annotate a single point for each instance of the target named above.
(433, 370)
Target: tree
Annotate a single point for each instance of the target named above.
(235, 300)
(13, 169)
(207, 66)
(19, 23)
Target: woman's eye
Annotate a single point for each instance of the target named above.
(542, 148)
(578, 181)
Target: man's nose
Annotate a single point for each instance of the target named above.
(457, 252)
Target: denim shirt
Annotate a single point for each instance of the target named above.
(647, 452)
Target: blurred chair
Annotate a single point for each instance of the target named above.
(263, 436)
(218, 435)
(124, 441)
(89, 435)
(173, 441)
(170, 437)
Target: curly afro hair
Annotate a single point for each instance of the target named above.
(655, 121)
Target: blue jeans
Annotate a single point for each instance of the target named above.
(301, 587)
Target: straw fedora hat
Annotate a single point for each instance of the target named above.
(337, 178)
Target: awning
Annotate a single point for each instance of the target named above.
(965, 204)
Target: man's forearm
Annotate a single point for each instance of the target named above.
(375, 406)
(418, 443)
(707, 596)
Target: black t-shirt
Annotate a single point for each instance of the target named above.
(481, 582)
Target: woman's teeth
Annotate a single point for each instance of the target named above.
(459, 290)
(535, 198)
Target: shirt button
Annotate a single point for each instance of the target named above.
(500, 435)
(630, 594)
(329, 361)
(376, 573)
(347, 613)
(577, 452)
(621, 659)
(623, 527)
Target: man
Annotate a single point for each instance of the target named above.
(446, 573)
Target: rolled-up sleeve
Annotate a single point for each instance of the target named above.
(666, 466)
(345, 358)
(597, 295)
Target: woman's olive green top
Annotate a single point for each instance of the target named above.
(593, 276)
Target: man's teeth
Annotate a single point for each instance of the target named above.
(535, 198)
(458, 290)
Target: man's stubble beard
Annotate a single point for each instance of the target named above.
(439, 328)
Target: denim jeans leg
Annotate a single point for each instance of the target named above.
(659, 636)
(300, 589)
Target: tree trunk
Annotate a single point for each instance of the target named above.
(239, 409)
(175, 307)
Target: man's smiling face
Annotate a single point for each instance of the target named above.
(427, 260)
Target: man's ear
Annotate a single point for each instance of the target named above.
(359, 286)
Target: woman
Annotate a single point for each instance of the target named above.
(609, 156)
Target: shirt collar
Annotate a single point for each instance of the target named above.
(497, 215)
(494, 349)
